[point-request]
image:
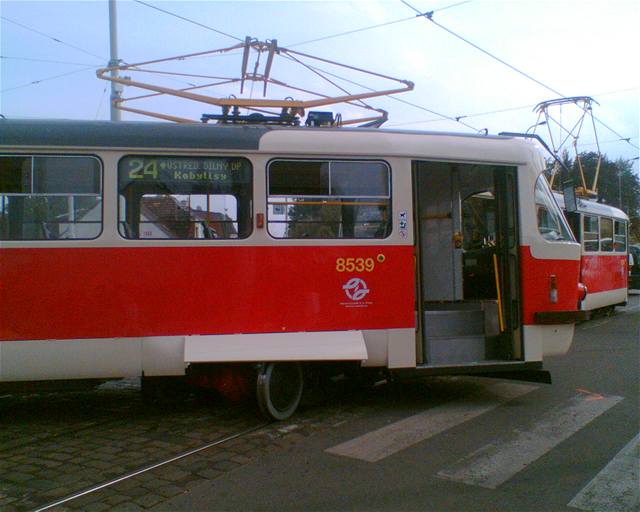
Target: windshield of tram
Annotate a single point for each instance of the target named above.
(551, 223)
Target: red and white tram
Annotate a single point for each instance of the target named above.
(603, 232)
(159, 249)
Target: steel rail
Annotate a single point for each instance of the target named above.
(149, 467)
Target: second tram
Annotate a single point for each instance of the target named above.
(602, 230)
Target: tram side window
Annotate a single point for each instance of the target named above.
(606, 235)
(329, 199)
(620, 236)
(591, 232)
(551, 223)
(184, 198)
(50, 197)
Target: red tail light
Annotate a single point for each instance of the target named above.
(582, 292)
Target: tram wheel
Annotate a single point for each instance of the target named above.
(279, 389)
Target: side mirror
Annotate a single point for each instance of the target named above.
(569, 192)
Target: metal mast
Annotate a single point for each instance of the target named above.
(114, 62)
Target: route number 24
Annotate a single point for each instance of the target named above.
(139, 170)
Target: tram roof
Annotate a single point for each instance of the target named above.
(594, 208)
(69, 133)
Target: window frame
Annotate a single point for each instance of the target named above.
(205, 241)
(625, 234)
(597, 233)
(602, 238)
(101, 179)
(329, 160)
(548, 193)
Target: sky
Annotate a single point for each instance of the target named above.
(50, 51)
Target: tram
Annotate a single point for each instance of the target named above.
(602, 230)
(158, 249)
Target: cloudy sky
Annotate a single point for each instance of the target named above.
(50, 51)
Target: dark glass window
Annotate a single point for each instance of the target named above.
(299, 178)
(591, 233)
(50, 197)
(329, 199)
(620, 236)
(53, 175)
(184, 197)
(551, 223)
(606, 235)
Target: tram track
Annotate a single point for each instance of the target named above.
(149, 467)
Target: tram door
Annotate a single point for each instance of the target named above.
(467, 263)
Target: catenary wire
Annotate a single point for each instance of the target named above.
(351, 31)
(57, 40)
(188, 20)
(35, 82)
(29, 59)
(371, 27)
(443, 116)
(428, 16)
(102, 96)
(510, 109)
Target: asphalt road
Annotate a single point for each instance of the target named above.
(467, 444)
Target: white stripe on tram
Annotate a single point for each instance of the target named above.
(497, 462)
(617, 487)
(381, 443)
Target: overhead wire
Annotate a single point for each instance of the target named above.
(6, 57)
(102, 96)
(35, 82)
(442, 116)
(511, 109)
(626, 139)
(348, 32)
(57, 40)
(429, 17)
(188, 20)
(371, 27)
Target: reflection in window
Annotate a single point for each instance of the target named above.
(606, 235)
(551, 223)
(50, 197)
(479, 221)
(591, 230)
(329, 199)
(620, 236)
(184, 198)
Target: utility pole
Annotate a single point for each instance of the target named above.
(116, 88)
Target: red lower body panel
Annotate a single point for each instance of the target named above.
(158, 291)
(602, 273)
(536, 275)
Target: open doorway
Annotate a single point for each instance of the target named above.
(467, 263)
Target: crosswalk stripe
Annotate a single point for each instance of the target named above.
(381, 443)
(617, 487)
(497, 462)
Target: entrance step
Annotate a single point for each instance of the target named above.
(456, 350)
(448, 323)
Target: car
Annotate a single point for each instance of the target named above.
(634, 266)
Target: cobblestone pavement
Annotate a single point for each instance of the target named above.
(56, 444)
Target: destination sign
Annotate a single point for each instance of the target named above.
(184, 169)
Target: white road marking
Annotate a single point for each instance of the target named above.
(381, 443)
(497, 462)
(617, 487)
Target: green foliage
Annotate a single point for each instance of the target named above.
(617, 184)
